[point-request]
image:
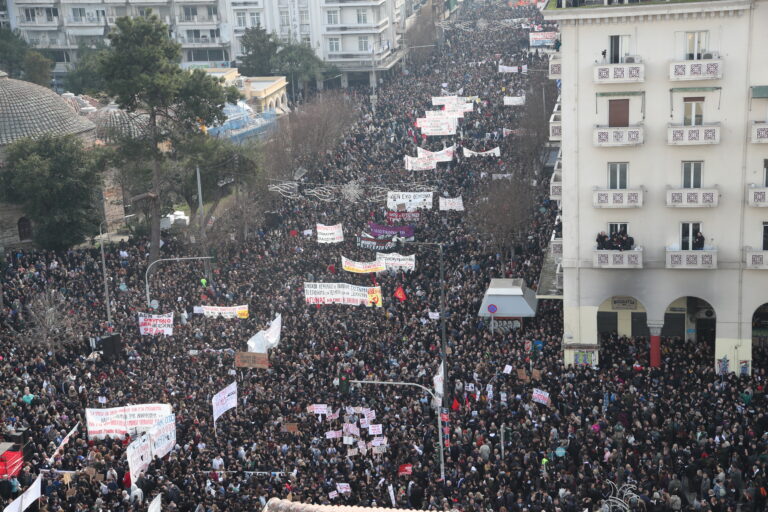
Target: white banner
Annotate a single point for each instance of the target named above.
(432, 126)
(268, 338)
(508, 69)
(451, 203)
(540, 396)
(491, 152)
(156, 504)
(162, 436)
(512, 101)
(27, 498)
(419, 163)
(226, 311)
(410, 200)
(444, 155)
(362, 267)
(342, 293)
(156, 324)
(438, 381)
(118, 421)
(393, 261)
(330, 234)
(139, 454)
(446, 100)
(63, 443)
(224, 400)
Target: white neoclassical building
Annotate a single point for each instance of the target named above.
(663, 122)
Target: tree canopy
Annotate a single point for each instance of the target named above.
(85, 76)
(38, 68)
(12, 51)
(259, 48)
(297, 61)
(56, 181)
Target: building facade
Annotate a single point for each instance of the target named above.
(663, 131)
(354, 35)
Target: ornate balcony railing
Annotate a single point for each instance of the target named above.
(621, 198)
(618, 259)
(696, 260)
(682, 135)
(625, 73)
(612, 136)
(706, 69)
(693, 197)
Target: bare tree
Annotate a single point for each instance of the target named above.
(49, 322)
(421, 37)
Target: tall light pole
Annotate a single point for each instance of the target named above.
(434, 401)
(104, 275)
(146, 273)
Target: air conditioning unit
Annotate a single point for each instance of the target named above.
(629, 60)
(709, 55)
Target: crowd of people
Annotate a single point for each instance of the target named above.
(686, 438)
(618, 241)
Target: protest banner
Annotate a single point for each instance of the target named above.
(332, 495)
(342, 293)
(432, 126)
(409, 201)
(434, 315)
(451, 203)
(162, 436)
(522, 375)
(381, 231)
(374, 429)
(366, 241)
(491, 152)
(118, 421)
(155, 324)
(403, 216)
(445, 100)
(27, 498)
(139, 455)
(333, 434)
(536, 374)
(63, 443)
(251, 360)
(342, 488)
(514, 101)
(444, 155)
(508, 69)
(223, 401)
(507, 369)
(289, 427)
(419, 163)
(319, 408)
(540, 396)
(542, 38)
(226, 311)
(156, 504)
(362, 267)
(330, 234)
(267, 338)
(507, 176)
(394, 261)
(405, 469)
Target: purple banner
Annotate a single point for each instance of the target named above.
(378, 230)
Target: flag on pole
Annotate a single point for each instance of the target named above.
(155, 505)
(400, 294)
(224, 400)
(438, 381)
(267, 338)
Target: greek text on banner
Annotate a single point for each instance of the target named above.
(362, 267)
(342, 293)
(156, 324)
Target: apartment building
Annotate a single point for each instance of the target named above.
(663, 130)
(355, 35)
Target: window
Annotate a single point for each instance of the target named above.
(765, 236)
(240, 19)
(305, 40)
(51, 13)
(334, 44)
(143, 13)
(190, 13)
(304, 17)
(193, 36)
(101, 14)
(25, 229)
(617, 175)
(285, 20)
(688, 232)
(362, 16)
(692, 174)
(333, 17)
(696, 44)
(362, 44)
(619, 49)
(78, 13)
(693, 111)
(618, 113)
(255, 19)
(213, 11)
(214, 33)
(29, 15)
(617, 227)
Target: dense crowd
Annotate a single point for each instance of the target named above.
(687, 438)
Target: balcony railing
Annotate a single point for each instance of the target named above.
(556, 187)
(555, 128)
(38, 22)
(87, 20)
(559, 276)
(556, 246)
(202, 41)
(555, 67)
(681, 135)
(694, 260)
(755, 258)
(759, 132)
(757, 196)
(693, 197)
(706, 69)
(618, 259)
(197, 19)
(628, 72)
(623, 198)
(612, 136)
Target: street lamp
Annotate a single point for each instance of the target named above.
(146, 273)
(437, 411)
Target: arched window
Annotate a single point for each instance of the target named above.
(25, 229)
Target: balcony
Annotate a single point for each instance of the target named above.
(692, 260)
(618, 259)
(555, 127)
(45, 42)
(629, 72)
(757, 196)
(87, 21)
(39, 22)
(623, 198)
(615, 136)
(556, 245)
(556, 187)
(555, 66)
(680, 135)
(359, 28)
(755, 259)
(693, 197)
(196, 20)
(199, 41)
(706, 69)
(759, 132)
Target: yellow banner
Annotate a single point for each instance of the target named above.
(362, 267)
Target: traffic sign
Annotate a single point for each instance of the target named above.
(492, 308)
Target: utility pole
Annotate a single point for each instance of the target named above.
(201, 216)
(104, 276)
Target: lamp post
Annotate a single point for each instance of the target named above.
(146, 273)
(434, 401)
(104, 275)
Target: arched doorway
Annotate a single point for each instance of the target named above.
(690, 319)
(24, 226)
(623, 315)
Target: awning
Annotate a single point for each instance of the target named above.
(760, 91)
(620, 93)
(508, 298)
(695, 89)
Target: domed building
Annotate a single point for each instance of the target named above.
(30, 110)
